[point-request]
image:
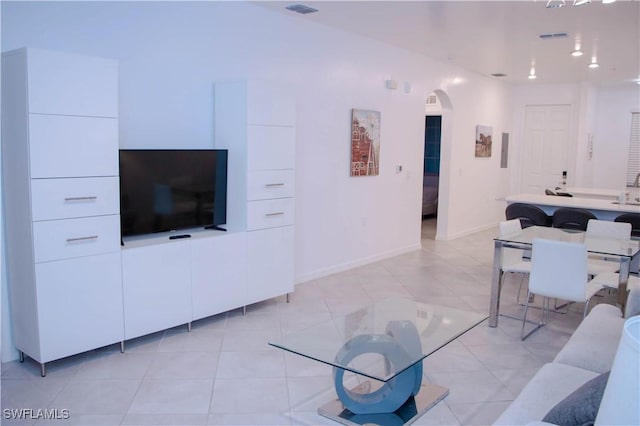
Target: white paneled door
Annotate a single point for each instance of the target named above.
(546, 146)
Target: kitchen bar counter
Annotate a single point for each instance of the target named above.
(601, 208)
(609, 194)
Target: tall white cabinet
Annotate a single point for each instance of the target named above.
(73, 287)
(256, 122)
(60, 175)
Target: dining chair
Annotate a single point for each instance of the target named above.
(633, 219)
(528, 214)
(558, 270)
(611, 280)
(512, 259)
(605, 229)
(571, 218)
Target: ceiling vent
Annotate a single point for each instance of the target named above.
(301, 8)
(552, 36)
(432, 100)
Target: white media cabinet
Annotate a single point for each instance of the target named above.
(72, 286)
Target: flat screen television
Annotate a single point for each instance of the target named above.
(169, 189)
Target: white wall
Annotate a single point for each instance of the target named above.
(602, 113)
(476, 185)
(170, 54)
(611, 134)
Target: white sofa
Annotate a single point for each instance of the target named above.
(589, 352)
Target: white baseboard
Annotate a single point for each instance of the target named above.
(355, 263)
(466, 232)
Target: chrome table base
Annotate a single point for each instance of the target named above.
(408, 413)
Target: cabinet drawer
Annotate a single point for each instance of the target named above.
(270, 213)
(270, 147)
(79, 305)
(62, 239)
(65, 146)
(266, 184)
(74, 197)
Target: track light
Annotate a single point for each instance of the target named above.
(552, 4)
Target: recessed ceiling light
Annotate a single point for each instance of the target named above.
(301, 8)
(608, 1)
(580, 2)
(532, 77)
(576, 53)
(593, 65)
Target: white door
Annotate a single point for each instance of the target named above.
(546, 143)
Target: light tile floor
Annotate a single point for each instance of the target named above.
(224, 373)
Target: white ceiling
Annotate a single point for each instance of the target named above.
(498, 36)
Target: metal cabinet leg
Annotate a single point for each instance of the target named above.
(122, 347)
(21, 356)
(244, 310)
(189, 327)
(43, 371)
(288, 297)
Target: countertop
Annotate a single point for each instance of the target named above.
(550, 202)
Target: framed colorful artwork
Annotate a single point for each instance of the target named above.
(484, 136)
(365, 142)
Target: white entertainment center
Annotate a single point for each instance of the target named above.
(73, 287)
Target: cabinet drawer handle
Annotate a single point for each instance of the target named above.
(90, 237)
(81, 198)
(271, 185)
(274, 214)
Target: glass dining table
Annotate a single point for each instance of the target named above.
(622, 250)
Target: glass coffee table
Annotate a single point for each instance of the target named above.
(381, 347)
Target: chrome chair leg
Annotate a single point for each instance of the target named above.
(520, 290)
(524, 317)
(543, 315)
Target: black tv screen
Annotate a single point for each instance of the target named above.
(165, 190)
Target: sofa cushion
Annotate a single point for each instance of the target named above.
(593, 345)
(551, 384)
(581, 406)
